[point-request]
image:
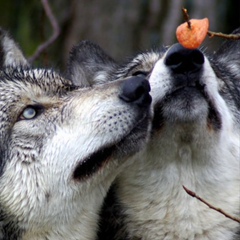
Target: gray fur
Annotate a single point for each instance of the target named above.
(10, 54)
(149, 202)
(196, 146)
(61, 147)
(88, 61)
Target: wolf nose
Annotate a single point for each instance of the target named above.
(182, 60)
(136, 90)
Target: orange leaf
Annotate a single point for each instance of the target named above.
(192, 37)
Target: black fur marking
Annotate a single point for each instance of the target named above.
(1, 57)
(1, 162)
(233, 86)
(3, 152)
(96, 160)
(1, 49)
(237, 236)
(214, 117)
(9, 230)
(109, 228)
(158, 120)
(93, 163)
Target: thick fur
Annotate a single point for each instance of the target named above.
(89, 62)
(60, 149)
(10, 53)
(195, 142)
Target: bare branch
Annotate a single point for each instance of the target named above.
(186, 16)
(56, 31)
(222, 35)
(210, 33)
(193, 194)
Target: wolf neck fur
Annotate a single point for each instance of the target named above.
(152, 189)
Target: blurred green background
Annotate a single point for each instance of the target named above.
(122, 27)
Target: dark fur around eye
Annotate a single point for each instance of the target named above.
(30, 112)
(140, 73)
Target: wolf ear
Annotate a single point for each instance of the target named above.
(89, 65)
(229, 52)
(10, 53)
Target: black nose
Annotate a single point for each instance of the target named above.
(182, 60)
(136, 90)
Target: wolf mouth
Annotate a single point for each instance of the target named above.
(93, 163)
(187, 94)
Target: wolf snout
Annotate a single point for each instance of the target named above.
(183, 60)
(136, 90)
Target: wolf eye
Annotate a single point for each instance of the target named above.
(140, 74)
(31, 112)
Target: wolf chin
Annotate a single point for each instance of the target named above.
(61, 146)
(195, 142)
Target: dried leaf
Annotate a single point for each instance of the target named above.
(192, 36)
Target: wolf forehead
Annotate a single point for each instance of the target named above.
(14, 82)
(143, 62)
(19, 88)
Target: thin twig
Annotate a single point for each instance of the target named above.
(193, 194)
(210, 33)
(222, 35)
(186, 16)
(56, 31)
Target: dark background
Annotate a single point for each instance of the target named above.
(121, 27)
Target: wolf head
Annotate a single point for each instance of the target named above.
(195, 141)
(61, 147)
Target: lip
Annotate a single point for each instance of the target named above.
(189, 93)
(93, 163)
(188, 90)
(189, 83)
(98, 159)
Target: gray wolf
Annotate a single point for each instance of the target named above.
(195, 142)
(61, 147)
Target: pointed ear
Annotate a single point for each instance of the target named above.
(229, 52)
(10, 53)
(89, 65)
